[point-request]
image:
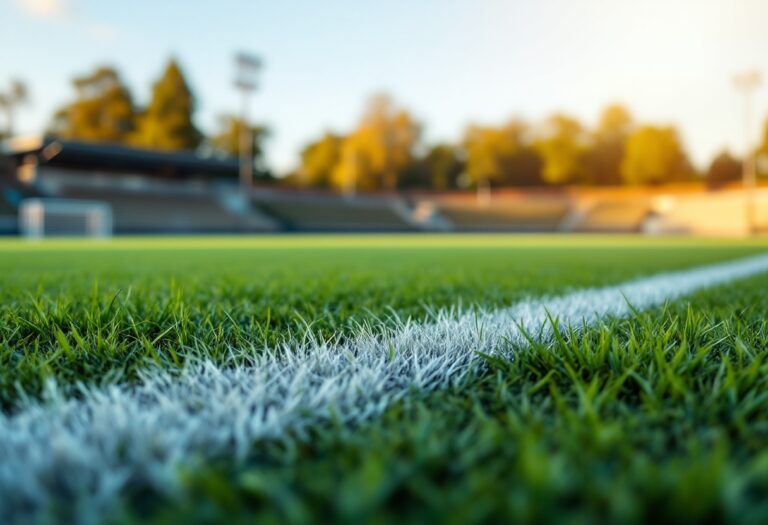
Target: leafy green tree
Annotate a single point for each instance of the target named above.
(654, 156)
(563, 146)
(608, 145)
(319, 159)
(227, 139)
(167, 123)
(102, 112)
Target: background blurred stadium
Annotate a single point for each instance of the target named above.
(182, 192)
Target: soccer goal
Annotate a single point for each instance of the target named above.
(64, 217)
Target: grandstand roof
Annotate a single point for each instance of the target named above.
(119, 159)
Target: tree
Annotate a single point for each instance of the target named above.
(377, 153)
(102, 112)
(227, 139)
(608, 145)
(16, 95)
(502, 155)
(319, 159)
(487, 149)
(524, 165)
(724, 169)
(654, 155)
(443, 165)
(438, 169)
(353, 171)
(562, 146)
(167, 122)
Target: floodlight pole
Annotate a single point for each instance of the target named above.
(747, 82)
(248, 67)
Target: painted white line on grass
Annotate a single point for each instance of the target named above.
(79, 454)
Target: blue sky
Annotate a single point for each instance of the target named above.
(451, 62)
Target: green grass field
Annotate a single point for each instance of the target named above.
(659, 417)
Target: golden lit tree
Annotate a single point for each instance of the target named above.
(319, 159)
(501, 155)
(615, 122)
(167, 122)
(353, 171)
(488, 149)
(102, 112)
(377, 152)
(608, 144)
(724, 169)
(563, 145)
(438, 168)
(654, 155)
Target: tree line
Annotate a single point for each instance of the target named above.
(385, 151)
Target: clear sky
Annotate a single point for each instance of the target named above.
(451, 62)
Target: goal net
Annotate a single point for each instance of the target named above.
(65, 217)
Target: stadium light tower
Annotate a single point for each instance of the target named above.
(248, 67)
(747, 82)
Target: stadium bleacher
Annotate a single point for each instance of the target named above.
(619, 216)
(517, 213)
(305, 212)
(144, 212)
(148, 191)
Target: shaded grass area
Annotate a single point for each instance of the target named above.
(660, 418)
(79, 311)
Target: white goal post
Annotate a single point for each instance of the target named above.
(64, 217)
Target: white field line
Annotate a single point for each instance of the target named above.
(81, 453)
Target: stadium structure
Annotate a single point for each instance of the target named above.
(50, 186)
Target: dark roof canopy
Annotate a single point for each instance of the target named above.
(119, 159)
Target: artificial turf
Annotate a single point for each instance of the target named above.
(662, 417)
